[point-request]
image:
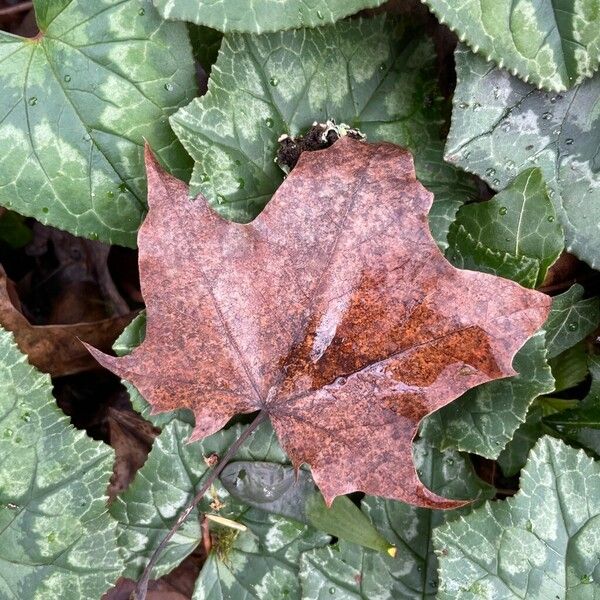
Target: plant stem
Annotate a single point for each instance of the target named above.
(13, 10)
(141, 588)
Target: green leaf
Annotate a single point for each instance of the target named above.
(569, 368)
(283, 491)
(259, 563)
(77, 104)
(354, 572)
(373, 74)
(502, 126)
(518, 225)
(571, 320)
(56, 537)
(170, 477)
(581, 424)
(484, 419)
(259, 16)
(540, 544)
(552, 44)
(514, 456)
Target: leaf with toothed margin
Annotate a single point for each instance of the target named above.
(513, 235)
(502, 126)
(555, 45)
(260, 16)
(170, 477)
(484, 420)
(77, 103)
(572, 318)
(57, 539)
(542, 543)
(261, 562)
(375, 74)
(356, 573)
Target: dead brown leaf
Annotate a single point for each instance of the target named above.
(334, 312)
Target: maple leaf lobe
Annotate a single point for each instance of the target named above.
(333, 310)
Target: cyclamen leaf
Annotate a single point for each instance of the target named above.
(167, 481)
(56, 537)
(502, 126)
(541, 543)
(552, 44)
(77, 103)
(259, 563)
(571, 319)
(484, 420)
(334, 311)
(375, 74)
(259, 16)
(519, 222)
(357, 573)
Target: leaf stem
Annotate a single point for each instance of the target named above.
(141, 588)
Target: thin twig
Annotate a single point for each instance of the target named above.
(16, 9)
(141, 588)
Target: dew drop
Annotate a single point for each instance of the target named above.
(26, 416)
(496, 182)
(551, 219)
(220, 199)
(110, 194)
(496, 92)
(450, 461)
(529, 147)
(505, 126)
(241, 183)
(490, 172)
(8, 433)
(463, 105)
(269, 122)
(528, 525)
(123, 187)
(205, 177)
(510, 165)
(141, 12)
(33, 101)
(45, 209)
(476, 106)
(12, 506)
(87, 137)
(572, 326)
(568, 141)
(67, 78)
(274, 81)
(93, 235)
(169, 87)
(382, 67)
(51, 537)
(332, 590)
(547, 116)
(320, 15)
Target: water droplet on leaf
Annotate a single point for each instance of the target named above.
(572, 326)
(490, 172)
(169, 87)
(269, 122)
(274, 81)
(67, 78)
(33, 101)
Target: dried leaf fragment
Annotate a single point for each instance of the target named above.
(334, 311)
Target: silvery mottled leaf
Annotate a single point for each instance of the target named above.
(484, 419)
(552, 44)
(77, 104)
(502, 126)
(374, 74)
(259, 563)
(259, 16)
(56, 537)
(167, 481)
(351, 572)
(513, 235)
(572, 318)
(540, 544)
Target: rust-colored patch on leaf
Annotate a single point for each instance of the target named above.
(334, 311)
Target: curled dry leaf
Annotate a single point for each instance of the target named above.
(333, 311)
(56, 349)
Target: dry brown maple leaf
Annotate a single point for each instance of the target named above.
(333, 311)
